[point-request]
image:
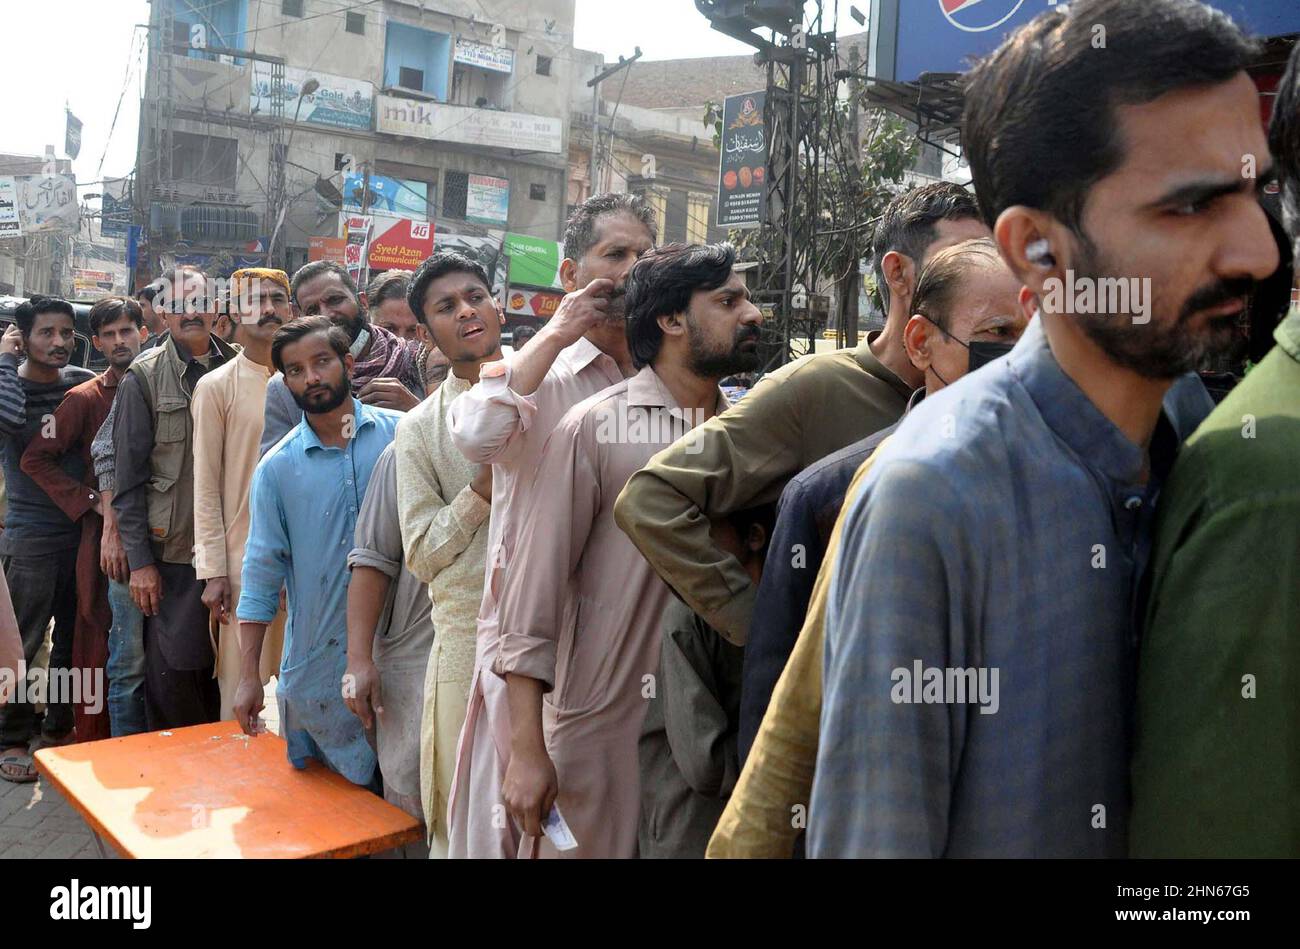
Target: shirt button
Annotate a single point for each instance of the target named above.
(1133, 503)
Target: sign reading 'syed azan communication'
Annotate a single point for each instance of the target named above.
(455, 123)
(400, 244)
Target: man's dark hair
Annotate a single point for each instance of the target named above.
(580, 229)
(389, 285)
(315, 269)
(940, 283)
(662, 282)
(111, 309)
(27, 311)
(295, 330)
(436, 267)
(1040, 125)
(146, 293)
(1284, 143)
(908, 225)
(522, 335)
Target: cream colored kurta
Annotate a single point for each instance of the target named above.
(445, 538)
(492, 424)
(229, 409)
(581, 609)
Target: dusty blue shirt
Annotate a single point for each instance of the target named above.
(1003, 529)
(303, 517)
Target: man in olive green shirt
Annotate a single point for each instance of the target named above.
(795, 416)
(1216, 772)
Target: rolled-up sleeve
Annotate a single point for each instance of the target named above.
(378, 535)
(538, 579)
(901, 593)
(737, 460)
(487, 422)
(133, 434)
(434, 533)
(266, 555)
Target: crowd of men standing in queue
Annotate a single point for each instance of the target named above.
(570, 602)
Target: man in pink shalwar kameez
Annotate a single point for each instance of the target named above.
(504, 421)
(581, 610)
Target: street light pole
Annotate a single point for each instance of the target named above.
(282, 205)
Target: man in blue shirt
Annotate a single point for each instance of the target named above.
(980, 641)
(303, 513)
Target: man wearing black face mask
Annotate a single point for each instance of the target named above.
(966, 312)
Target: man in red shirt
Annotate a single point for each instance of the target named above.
(117, 325)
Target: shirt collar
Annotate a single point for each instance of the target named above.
(110, 377)
(580, 355)
(359, 411)
(646, 390)
(1068, 412)
(1288, 333)
(873, 366)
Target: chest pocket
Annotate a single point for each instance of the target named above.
(167, 462)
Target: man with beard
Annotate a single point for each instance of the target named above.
(117, 328)
(981, 634)
(743, 458)
(503, 421)
(153, 435)
(577, 588)
(1214, 773)
(304, 502)
(387, 371)
(444, 505)
(38, 547)
(228, 418)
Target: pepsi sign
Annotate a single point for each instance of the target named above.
(911, 37)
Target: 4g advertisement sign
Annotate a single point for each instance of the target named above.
(742, 173)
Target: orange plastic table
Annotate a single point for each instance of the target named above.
(211, 791)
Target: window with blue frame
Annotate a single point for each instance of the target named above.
(224, 21)
(417, 59)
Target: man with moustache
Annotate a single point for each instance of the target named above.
(577, 588)
(306, 494)
(386, 300)
(503, 421)
(743, 458)
(117, 330)
(969, 310)
(444, 505)
(1006, 528)
(38, 547)
(153, 438)
(387, 368)
(1214, 771)
(228, 420)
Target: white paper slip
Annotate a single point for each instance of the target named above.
(557, 831)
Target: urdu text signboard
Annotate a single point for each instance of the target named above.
(10, 224)
(438, 122)
(742, 171)
(495, 58)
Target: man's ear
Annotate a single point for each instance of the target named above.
(755, 538)
(898, 270)
(672, 324)
(364, 303)
(501, 314)
(1028, 303)
(916, 340)
(144, 333)
(568, 275)
(349, 363)
(1033, 244)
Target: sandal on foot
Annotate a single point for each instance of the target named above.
(16, 765)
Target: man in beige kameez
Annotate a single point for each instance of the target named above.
(444, 504)
(503, 421)
(229, 411)
(581, 608)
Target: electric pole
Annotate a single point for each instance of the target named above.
(595, 114)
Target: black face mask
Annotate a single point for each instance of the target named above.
(981, 353)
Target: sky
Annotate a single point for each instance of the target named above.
(97, 39)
